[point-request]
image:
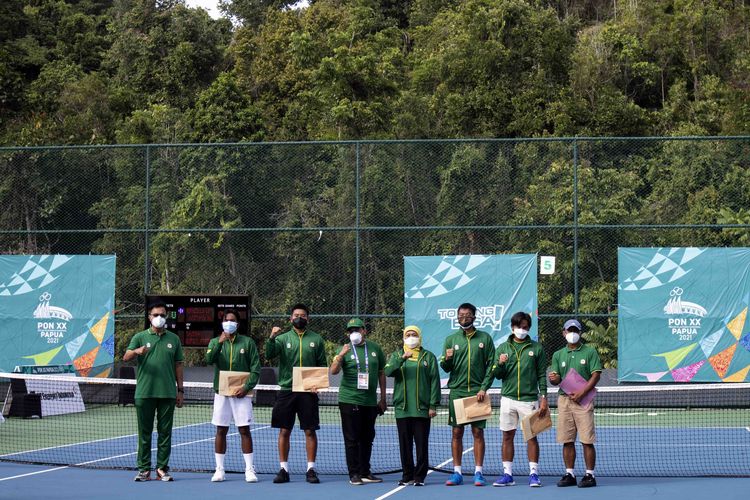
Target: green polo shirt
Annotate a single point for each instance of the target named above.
(238, 354)
(293, 350)
(584, 359)
(348, 392)
(156, 376)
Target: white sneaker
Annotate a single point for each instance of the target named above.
(250, 476)
(218, 476)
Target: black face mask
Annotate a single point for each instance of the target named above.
(299, 323)
(466, 324)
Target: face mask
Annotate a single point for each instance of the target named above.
(158, 321)
(411, 342)
(467, 324)
(520, 333)
(229, 326)
(299, 323)
(355, 337)
(572, 337)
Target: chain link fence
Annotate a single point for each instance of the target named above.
(328, 223)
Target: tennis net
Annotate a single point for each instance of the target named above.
(674, 430)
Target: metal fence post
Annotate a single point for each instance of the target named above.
(146, 262)
(356, 232)
(575, 228)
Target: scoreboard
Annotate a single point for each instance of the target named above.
(196, 319)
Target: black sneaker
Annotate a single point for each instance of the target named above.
(369, 478)
(588, 481)
(282, 476)
(418, 483)
(143, 475)
(311, 476)
(405, 482)
(356, 481)
(567, 480)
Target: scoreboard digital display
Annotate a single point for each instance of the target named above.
(196, 319)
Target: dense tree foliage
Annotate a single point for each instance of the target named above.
(90, 72)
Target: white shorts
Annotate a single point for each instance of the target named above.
(511, 411)
(226, 407)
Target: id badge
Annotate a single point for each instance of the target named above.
(363, 381)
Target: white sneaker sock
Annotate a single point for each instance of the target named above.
(310, 465)
(477, 468)
(571, 472)
(248, 460)
(457, 468)
(284, 465)
(533, 468)
(508, 468)
(219, 460)
(590, 471)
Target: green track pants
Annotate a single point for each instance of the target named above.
(145, 410)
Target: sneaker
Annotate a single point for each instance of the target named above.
(143, 475)
(356, 480)
(405, 482)
(588, 481)
(311, 476)
(534, 481)
(479, 479)
(218, 476)
(163, 474)
(369, 478)
(567, 480)
(506, 480)
(282, 476)
(250, 476)
(455, 479)
(418, 483)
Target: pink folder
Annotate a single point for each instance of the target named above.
(573, 382)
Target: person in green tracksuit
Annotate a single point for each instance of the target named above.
(159, 354)
(522, 366)
(468, 355)
(298, 346)
(416, 396)
(232, 352)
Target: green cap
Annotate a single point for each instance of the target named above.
(355, 323)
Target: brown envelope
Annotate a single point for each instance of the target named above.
(307, 378)
(470, 410)
(229, 382)
(533, 424)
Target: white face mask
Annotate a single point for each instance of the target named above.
(158, 322)
(411, 342)
(520, 333)
(572, 337)
(355, 337)
(229, 326)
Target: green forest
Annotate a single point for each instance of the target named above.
(447, 128)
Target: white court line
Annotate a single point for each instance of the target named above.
(120, 456)
(92, 441)
(399, 488)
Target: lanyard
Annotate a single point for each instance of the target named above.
(356, 358)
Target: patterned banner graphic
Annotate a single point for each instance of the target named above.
(682, 314)
(498, 285)
(57, 310)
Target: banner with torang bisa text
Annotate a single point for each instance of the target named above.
(498, 285)
(57, 310)
(683, 314)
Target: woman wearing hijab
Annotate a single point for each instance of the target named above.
(416, 395)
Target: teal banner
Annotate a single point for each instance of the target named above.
(57, 310)
(498, 285)
(682, 314)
